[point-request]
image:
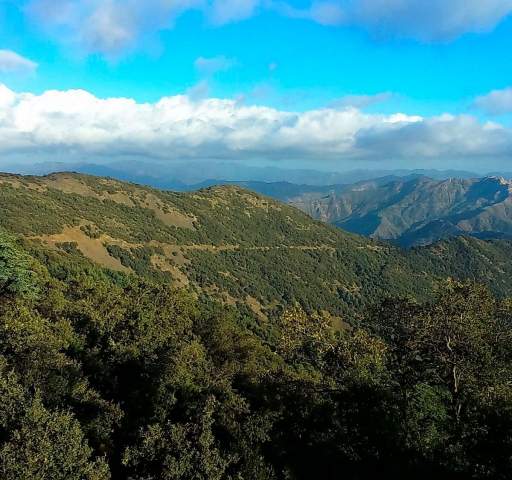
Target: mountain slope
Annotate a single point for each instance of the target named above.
(109, 376)
(416, 211)
(246, 249)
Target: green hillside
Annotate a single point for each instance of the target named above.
(246, 249)
(219, 335)
(107, 375)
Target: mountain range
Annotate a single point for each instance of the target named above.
(182, 176)
(222, 334)
(412, 210)
(406, 207)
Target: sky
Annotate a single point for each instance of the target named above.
(328, 84)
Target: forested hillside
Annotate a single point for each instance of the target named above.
(105, 374)
(240, 247)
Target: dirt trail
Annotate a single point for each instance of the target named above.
(174, 255)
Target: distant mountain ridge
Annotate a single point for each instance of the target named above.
(416, 211)
(406, 207)
(410, 211)
(183, 176)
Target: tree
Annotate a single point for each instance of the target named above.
(49, 446)
(17, 275)
(451, 361)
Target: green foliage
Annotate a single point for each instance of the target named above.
(240, 244)
(16, 271)
(49, 445)
(106, 374)
(181, 451)
(449, 359)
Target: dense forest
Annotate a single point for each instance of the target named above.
(252, 343)
(107, 375)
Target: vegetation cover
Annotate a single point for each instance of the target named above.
(243, 248)
(148, 369)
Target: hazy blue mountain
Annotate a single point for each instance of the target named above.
(187, 175)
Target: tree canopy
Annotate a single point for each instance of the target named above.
(107, 375)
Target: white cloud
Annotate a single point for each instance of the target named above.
(11, 62)
(76, 125)
(432, 20)
(226, 11)
(323, 12)
(112, 26)
(199, 91)
(445, 137)
(497, 102)
(106, 26)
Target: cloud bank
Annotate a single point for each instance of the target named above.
(497, 102)
(112, 26)
(76, 125)
(432, 20)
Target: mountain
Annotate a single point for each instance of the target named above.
(239, 246)
(220, 334)
(373, 203)
(415, 210)
(182, 176)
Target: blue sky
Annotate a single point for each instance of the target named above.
(356, 62)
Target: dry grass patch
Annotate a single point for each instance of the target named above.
(256, 307)
(162, 263)
(167, 215)
(74, 185)
(16, 181)
(91, 248)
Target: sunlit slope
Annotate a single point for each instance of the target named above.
(231, 243)
(416, 211)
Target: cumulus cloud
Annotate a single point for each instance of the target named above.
(497, 102)
(112, 26)
(12, 62)
(433, 20)
(76, 125)
(106, 26)
(444, 137)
